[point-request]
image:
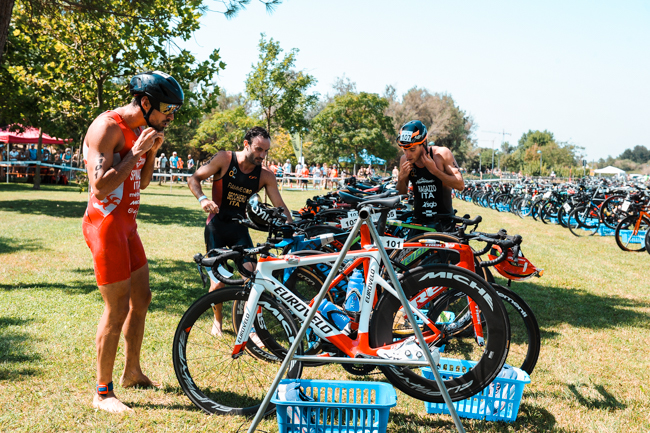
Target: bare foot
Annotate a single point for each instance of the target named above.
(129, 380)
(110, 404)
(216, 329)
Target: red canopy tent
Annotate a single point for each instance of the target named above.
(29, 136)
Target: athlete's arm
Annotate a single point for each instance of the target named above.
(269, 182)
(403, 176)
(102, 139)
(214, 167)
(147, 170)
(450, 174)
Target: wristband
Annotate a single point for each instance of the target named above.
(203, 197)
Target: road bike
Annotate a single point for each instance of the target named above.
(219, 376)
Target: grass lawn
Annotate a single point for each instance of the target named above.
(593, 307)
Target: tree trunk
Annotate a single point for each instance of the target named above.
(39, 157)
(6, 9)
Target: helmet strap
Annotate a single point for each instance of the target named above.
(146, 114)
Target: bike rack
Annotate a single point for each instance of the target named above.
(364, 215)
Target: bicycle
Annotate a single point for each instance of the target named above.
(271, 316)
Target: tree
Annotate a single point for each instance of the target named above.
(640, 154)
(223, 130)
(100, 9)
(278, 90)
(351, 123)
(282, 147)
(77, 65)
(447, 124)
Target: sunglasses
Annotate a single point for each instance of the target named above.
(168, 109)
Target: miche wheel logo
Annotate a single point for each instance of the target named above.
(463, 279)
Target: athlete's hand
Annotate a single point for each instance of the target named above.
(404, 171)
(145, 141)
(157, 142)
(429, 163)
(209, 206)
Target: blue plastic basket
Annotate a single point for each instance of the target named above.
(339, 407)
(603, 230)
(628, 237)
(499, 401)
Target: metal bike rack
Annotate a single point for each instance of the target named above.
(363, 217)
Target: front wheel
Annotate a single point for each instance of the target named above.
(203, 362)
(628, 236)
(584, 221)
(450, 289)
(525, 339)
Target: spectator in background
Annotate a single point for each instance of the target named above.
(173, 164)
(395, 173)
(317, 174)
(279, 173)
(287, 171)
(190, 164)
(163, 166)
(304, 173)
(33, 153)
(67, 158)
(163, 163)
(334, 174)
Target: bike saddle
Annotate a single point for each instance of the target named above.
(353, 199)
(386, 202)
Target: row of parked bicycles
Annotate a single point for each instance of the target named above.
(586, 208)
(471, 321)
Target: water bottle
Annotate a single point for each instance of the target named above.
(353, 294)
(333, 314)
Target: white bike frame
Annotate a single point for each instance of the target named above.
(265, 281)
(395, 289)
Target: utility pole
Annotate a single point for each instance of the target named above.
(503, 134)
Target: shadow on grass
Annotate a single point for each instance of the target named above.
(608, 401)
(554, 306)
(80, 287)
(9, 245)
(156, 214)
(14, 350)
(530, 419)
(175, 285)
(164, 406)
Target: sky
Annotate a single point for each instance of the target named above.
(579, 69)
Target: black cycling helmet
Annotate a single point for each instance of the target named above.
(164, 92)
(412, 134)
(261, 214)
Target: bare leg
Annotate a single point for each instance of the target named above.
(218, 315)
(116, 308)
(134, 329)
(216, 324)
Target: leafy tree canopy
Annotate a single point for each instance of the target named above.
(77, 64)
(447, 124)
(640, 154)
(224, 130)
(278, 90)
(351, 123)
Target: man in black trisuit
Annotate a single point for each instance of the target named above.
(237, 176)
(433, 172)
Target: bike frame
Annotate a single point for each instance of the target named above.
(396, 289)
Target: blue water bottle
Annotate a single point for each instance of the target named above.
(353, 295)
(333, 314)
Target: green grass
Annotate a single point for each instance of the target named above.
(593, 306)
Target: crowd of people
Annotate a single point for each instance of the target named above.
(322, 177)
(29, 153)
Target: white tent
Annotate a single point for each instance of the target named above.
(610, 170)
